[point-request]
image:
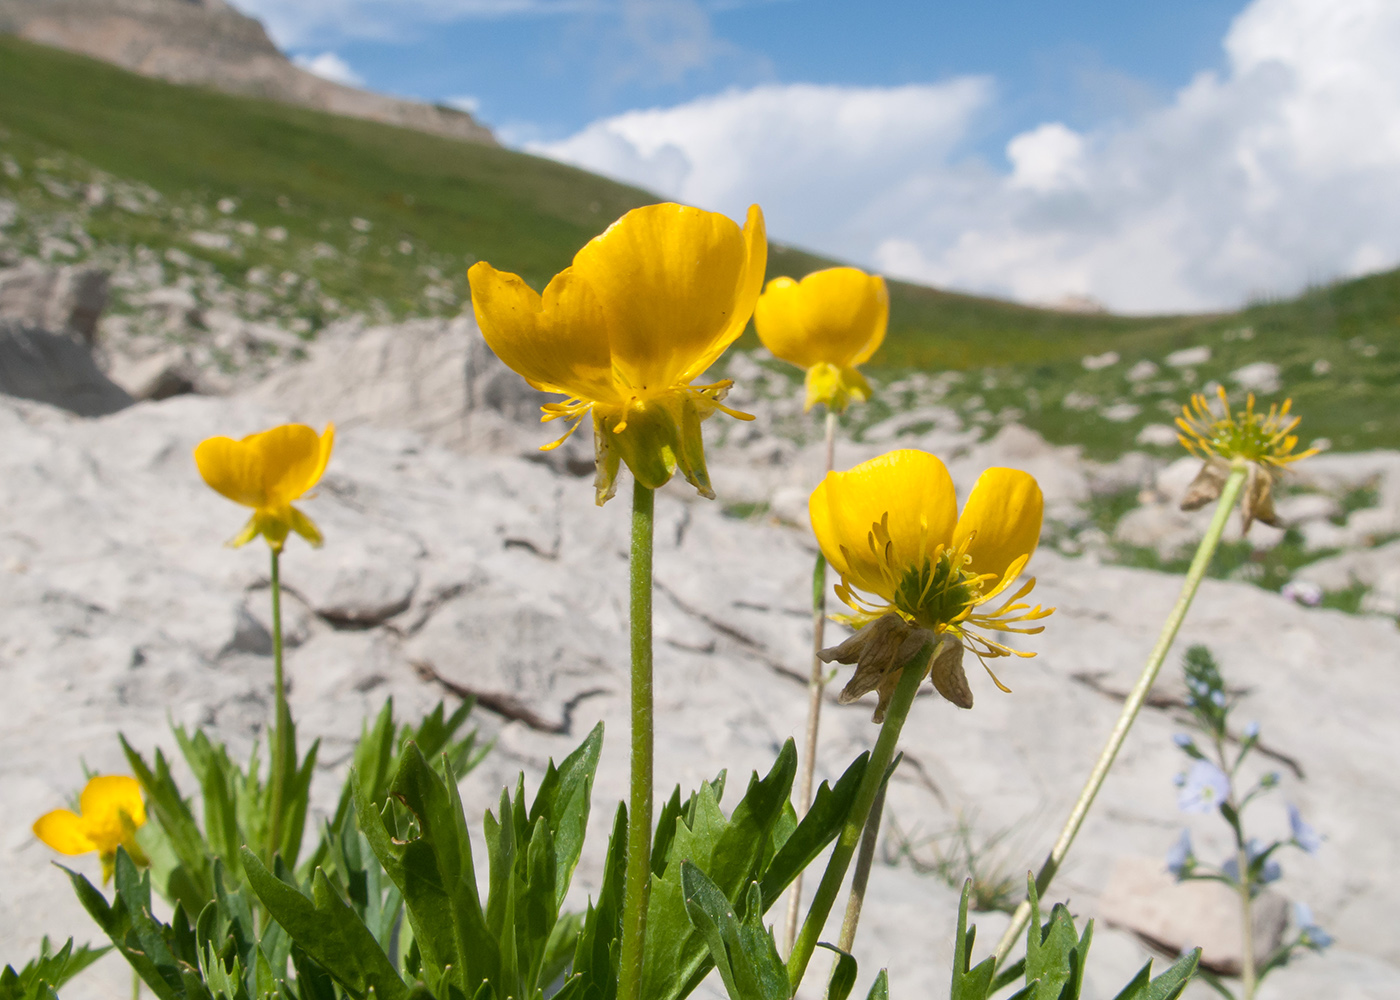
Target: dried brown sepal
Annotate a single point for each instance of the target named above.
(1208, 484)
(1257, 504)
(947, 673)
(883, 648)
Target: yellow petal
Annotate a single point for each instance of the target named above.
(64, 832)
(1004, 510)
(103, 802)
(912, 487)
(293, 457)
(678, 285)
(232, 468)
(837, 316)
(558, 343)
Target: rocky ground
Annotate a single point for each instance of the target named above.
(457, 551)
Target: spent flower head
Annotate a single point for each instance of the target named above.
(890, 527)
(266, 472)
(1261, 443)
(642, 312)
(110, 812)
(828, 323)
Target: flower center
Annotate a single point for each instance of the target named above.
(939, 592)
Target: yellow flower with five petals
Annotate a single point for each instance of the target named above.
(111, 813)
(643, 311)
(827, 323)
(891, 528)
(267, 471)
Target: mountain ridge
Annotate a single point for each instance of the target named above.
(209, 43)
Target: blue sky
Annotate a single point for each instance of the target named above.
(547, 68)
(1147, 156)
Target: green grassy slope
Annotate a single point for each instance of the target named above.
(387, 220)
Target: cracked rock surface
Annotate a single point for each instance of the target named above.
(497, 573)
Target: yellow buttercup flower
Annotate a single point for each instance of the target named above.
(1262, 442)
(267, 471)
(112, 811)
(827, 323)
(643, 311)
(891, 528)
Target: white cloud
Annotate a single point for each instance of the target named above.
(828, 164)
(1282, 170)
(330, 66)
(464, 102)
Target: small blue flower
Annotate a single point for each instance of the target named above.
(1205, 787)
(1304, 835)
(1313, 936)
(1181, 858)
(1218, 698)
(1183, 740)
(1251, 731)
(1271, 872)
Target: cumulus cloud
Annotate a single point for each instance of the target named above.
(831, 165)
(330, 66)
(1282, 169)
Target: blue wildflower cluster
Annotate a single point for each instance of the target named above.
(1213, 783)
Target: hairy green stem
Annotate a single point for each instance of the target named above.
(1131, 706)
(281, 730)
(637, 884)
(816, 689)
(898, 710)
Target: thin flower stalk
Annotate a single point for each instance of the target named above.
(1229, 494)
(816, 691)
(861, 878)
(283, 749)
(637, 881)
(900, 702)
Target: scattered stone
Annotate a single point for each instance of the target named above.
(1098, 362)
(1142, 371)
(1372, 568)
(65, 300)
(1261, 377)
(1121, 413)
(123, 603)
(1157, 435)
(1300, 508)
(54, 369)
(1188, 357)
(1142, 897)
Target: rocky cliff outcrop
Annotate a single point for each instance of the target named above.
(208, 43)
